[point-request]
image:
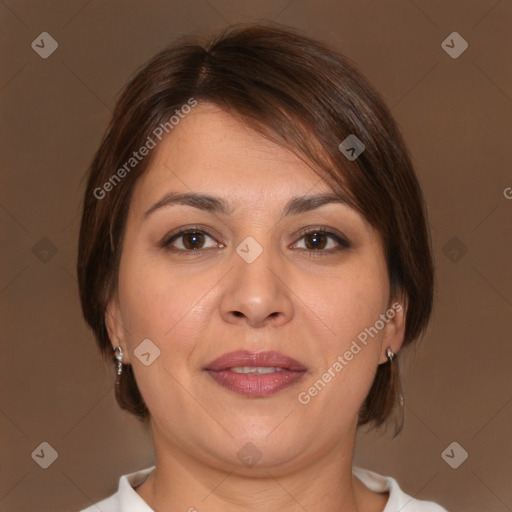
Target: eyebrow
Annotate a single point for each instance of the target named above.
(294, 206)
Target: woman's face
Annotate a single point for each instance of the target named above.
(250, 279)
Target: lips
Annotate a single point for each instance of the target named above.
(285, 372)
(248, 358)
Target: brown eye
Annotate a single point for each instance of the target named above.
(322, 241)
(189, 241)
(315, 240)
(193, 240)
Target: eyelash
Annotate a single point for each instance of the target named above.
(343, 243)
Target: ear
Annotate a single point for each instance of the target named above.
(394, 330)
(115, 328)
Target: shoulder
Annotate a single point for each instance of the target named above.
(398, 499)
(126, 498)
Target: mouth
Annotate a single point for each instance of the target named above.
(255, 374)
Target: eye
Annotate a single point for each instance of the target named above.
(189, 240)
(317, 240)
(322, 240)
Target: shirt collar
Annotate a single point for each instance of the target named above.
(130, 500)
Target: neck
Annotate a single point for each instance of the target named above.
(182, 482)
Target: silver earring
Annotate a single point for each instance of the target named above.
(119, 358)
(400, 398)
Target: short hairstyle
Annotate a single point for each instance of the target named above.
(306, 97)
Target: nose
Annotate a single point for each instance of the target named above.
(257, 293)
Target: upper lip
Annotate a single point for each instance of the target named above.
(268, 358)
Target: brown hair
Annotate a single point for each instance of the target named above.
(308, 98)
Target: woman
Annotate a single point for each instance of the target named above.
(254, 252)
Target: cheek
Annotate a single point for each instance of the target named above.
(157, 298)
(355, 344)
(349, 305)
(168, 306)
(160, 304)
(352, 302)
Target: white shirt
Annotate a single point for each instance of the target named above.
(126, 498)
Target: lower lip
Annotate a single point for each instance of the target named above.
(256, 385)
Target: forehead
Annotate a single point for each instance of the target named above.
(213, 152)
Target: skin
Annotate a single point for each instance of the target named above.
(307, 303)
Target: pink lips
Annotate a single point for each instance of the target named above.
(251, 384)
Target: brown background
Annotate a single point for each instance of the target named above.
(456, 116)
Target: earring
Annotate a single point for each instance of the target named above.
(400, 397)
(119, 358)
